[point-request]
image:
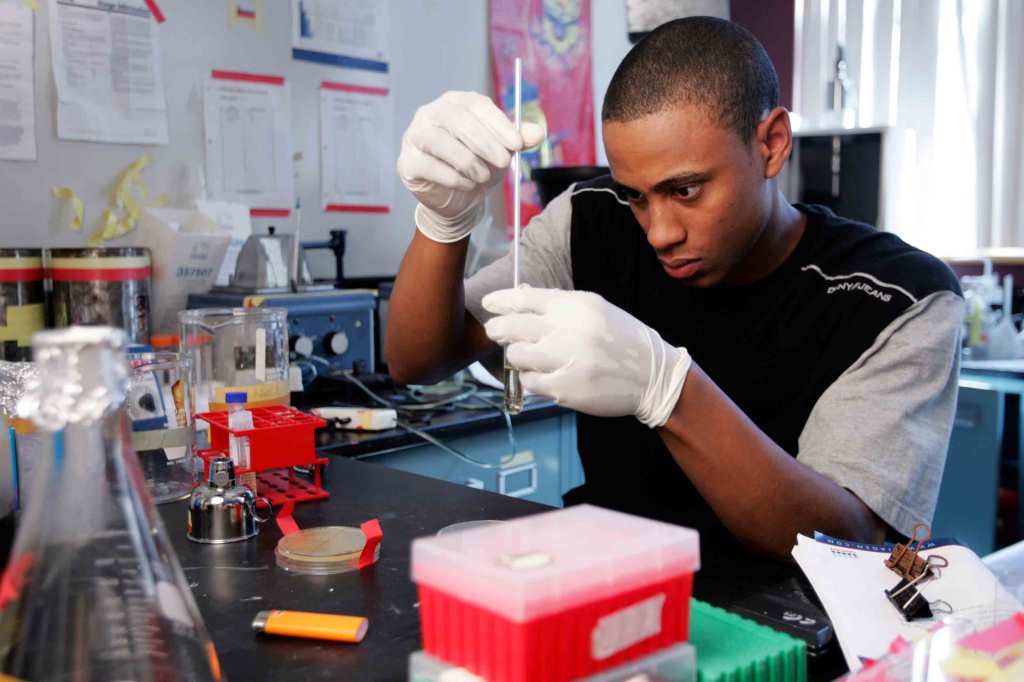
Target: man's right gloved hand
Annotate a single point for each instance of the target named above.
(456, 148)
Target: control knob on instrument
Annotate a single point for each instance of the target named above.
(337, 343)
(302, 345)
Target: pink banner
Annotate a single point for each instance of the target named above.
(553, 39)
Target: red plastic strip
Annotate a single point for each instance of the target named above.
(356, 208)
(269, 212)
(361, 89)
(21, 274)
(250, 77)
(14, 578)
(284, 519)
(245, 13)
(94, 274)
(371, 529)
(155, 10)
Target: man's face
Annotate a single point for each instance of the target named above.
(696, 188)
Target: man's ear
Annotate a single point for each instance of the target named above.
(773, 139)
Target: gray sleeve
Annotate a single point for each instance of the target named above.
(882, 429)
(544, 259)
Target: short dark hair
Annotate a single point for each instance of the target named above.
(708, 62)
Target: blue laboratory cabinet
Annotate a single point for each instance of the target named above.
(544, 466)
(966, 508)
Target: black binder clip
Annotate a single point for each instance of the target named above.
(906, 595)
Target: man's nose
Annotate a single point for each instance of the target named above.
(663, 230)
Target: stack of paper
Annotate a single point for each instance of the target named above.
(851, 579)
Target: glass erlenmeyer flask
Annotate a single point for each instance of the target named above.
(93, 589)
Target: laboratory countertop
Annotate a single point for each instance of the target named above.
(441, 424)
(233, 582)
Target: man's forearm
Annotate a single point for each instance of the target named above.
(762, 494)
(427, 337)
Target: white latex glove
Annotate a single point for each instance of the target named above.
(587, 354)
(456, 148)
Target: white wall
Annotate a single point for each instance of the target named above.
(610, 45)
(436, 45)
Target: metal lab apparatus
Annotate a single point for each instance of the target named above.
(335, 326)
(22, 301)
(102, 286)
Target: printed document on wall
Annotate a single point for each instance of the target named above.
(356, 160)
(248, 141)
(347, 33)
(106, 64)
(17, 90)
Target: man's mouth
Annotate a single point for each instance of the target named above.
(681, 268)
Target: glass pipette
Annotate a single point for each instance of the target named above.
(513, 389)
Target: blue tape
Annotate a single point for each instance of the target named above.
(58, 450)
(340, 60)
(12, 438)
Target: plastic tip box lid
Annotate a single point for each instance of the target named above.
(550, 562)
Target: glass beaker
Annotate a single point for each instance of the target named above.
(94, 590)
(236, 349)
(233, 350)
(159, 403)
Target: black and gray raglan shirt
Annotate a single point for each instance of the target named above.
(846, 356)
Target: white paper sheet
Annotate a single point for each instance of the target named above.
(17, 87)
(851, 580)
(346, 33)
(356, 159)
(248, 141)
(106, 64)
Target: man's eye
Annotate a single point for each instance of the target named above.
(687, 192)
(630, 195)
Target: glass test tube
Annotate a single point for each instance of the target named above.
(513, 389)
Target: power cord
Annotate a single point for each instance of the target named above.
(346, 376)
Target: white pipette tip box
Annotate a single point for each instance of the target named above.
(555, 596)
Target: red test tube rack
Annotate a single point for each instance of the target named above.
(282, 437)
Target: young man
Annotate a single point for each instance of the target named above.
(740, 365)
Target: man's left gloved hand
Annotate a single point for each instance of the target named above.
(587, 354)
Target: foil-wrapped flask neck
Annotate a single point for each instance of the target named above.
(82, 377)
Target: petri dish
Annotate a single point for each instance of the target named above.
(322, 551)
(468, 525)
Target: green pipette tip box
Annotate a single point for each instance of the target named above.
(731, 648)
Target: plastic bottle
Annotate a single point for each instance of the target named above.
(240, 419)
(93, 588)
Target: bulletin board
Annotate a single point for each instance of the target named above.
(435, 45)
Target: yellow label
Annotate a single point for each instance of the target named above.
(94, 263)
(257, 395)
(22, 322)
(16, 263)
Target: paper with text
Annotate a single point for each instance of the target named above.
(107, 68)
(17, 87)
(248, 140)
(356, 159)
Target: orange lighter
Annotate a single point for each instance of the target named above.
(311, 625)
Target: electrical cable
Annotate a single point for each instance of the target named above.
(423, 434)
(450, 450)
